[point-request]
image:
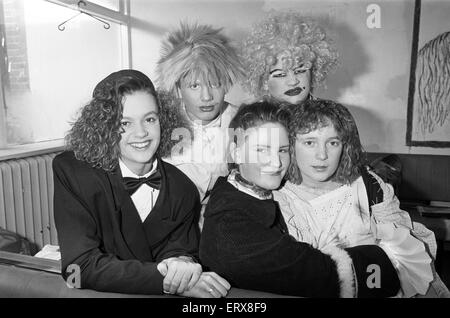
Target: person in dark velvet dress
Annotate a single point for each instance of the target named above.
(124, 217)
(245, 239)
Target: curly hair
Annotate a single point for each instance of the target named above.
(314, 114)
(94, 137)
(171, 118)
(195, 51)
(254, 115)
(289, 33)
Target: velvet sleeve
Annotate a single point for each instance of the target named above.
(254, 257)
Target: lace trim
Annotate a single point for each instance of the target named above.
(250, 187)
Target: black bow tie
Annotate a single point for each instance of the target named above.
(132, 184)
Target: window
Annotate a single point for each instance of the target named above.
(110, 4)
(48, 74)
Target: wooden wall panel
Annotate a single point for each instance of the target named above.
(424, 177)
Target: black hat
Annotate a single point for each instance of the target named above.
(123, 76)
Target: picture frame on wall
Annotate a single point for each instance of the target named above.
(428, 117)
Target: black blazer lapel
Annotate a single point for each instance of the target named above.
(130, 223)
(162, 219)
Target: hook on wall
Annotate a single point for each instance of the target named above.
(62, 27)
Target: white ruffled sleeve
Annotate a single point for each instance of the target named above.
(394, 233)
(408, 256)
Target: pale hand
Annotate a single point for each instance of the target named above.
(180, 274)
(210, 285)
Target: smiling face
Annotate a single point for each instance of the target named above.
(289, 83)
(263, 157)
(141, 131)
(318, 155)
(203, 101)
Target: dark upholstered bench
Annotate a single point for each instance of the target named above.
(30, 277)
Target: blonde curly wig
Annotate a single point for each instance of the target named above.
(300, 38)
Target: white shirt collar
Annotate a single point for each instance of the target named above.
(126, 172)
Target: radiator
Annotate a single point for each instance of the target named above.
(26, 198)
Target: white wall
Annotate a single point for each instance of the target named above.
(373, 78)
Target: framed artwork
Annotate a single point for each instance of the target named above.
(428, 117)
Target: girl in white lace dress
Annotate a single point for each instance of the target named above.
(332, 199)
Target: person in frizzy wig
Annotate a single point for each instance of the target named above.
(126, 218)
(332, 198)
(286, 56)
(197, 67)
(245, 239)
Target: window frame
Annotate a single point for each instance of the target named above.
(122, 17)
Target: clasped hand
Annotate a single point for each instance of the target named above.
(184, 277)
(180, 274)
(210, 285)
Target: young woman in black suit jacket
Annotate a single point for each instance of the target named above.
(245, 239)
(125, 218)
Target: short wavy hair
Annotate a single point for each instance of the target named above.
(286, 32)
(254, 115)
(314, 114)
(94, 137)
(194, 51)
